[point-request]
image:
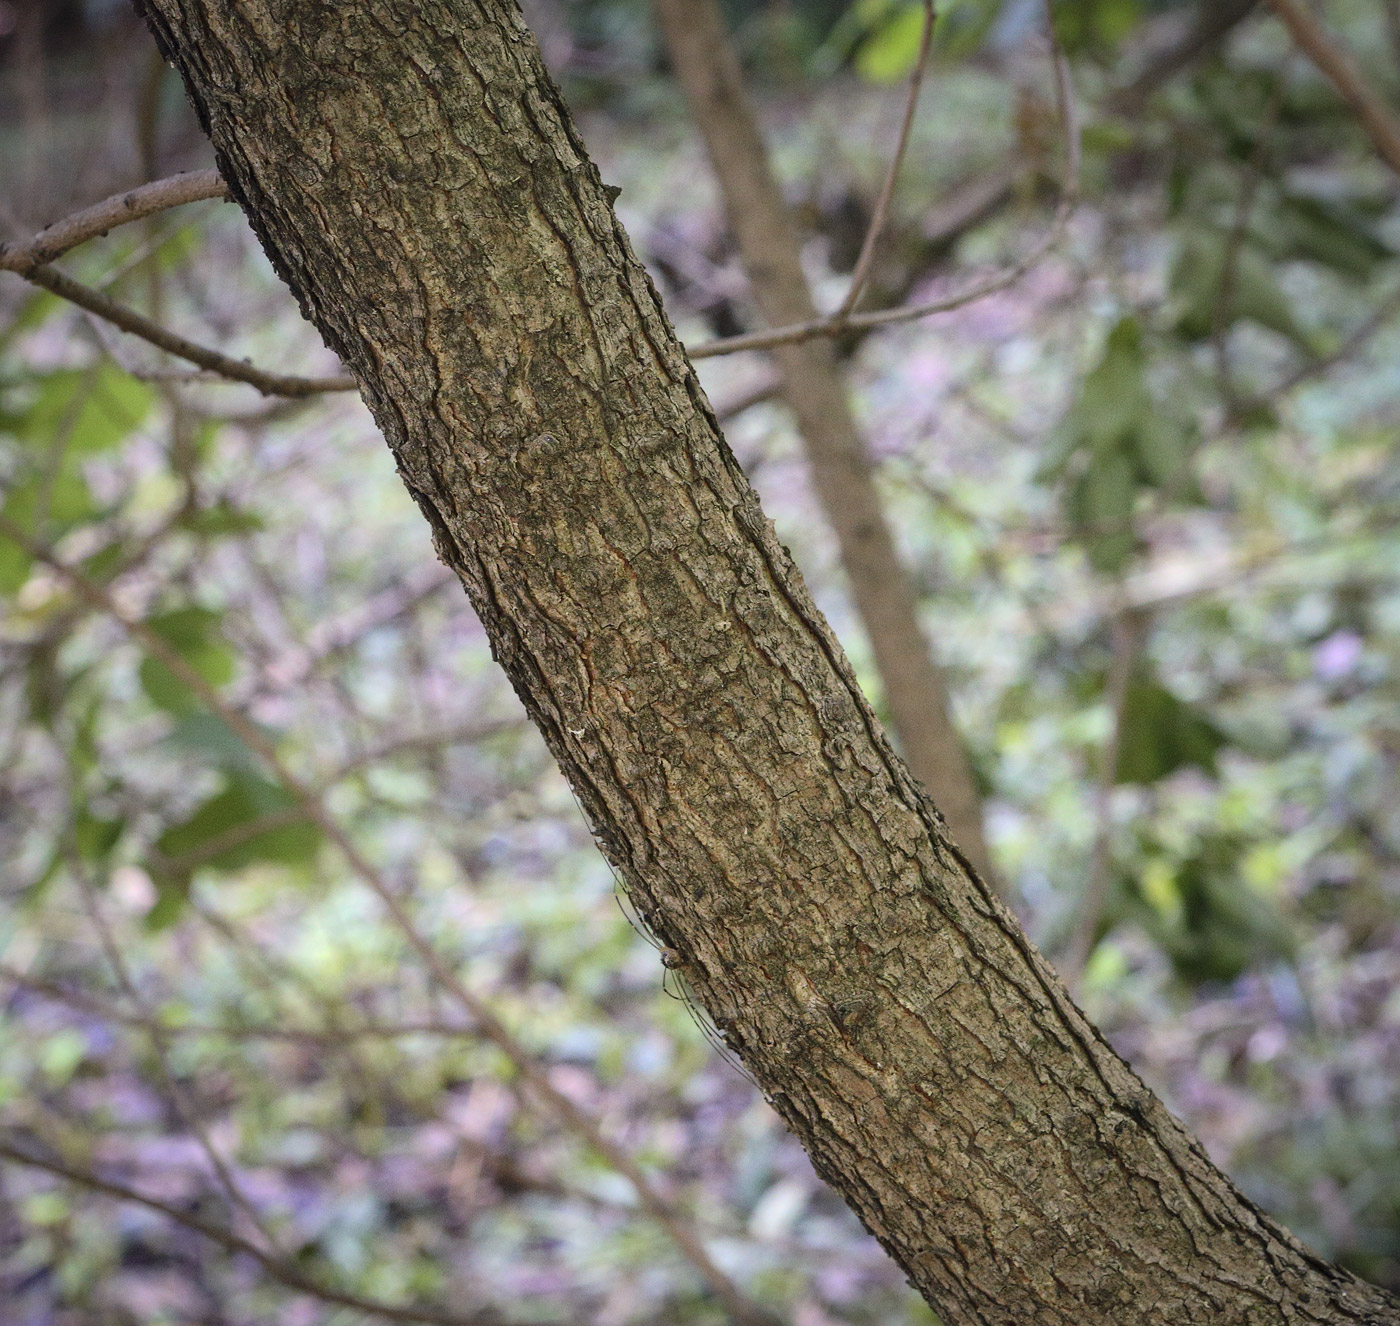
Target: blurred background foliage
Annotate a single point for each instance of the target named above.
(1150, 494)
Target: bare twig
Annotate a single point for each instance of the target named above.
(488, 1025)
(837, 324)
(1129, 629)
(54, 241)
(1392, 27)
(882, 203)
(184, 1110)
(30, 260)
(96, 1007)
(1313, 39)
(1215, 22)
(765, 390)
(96, 303)
(235, 1243)
(1315, 368)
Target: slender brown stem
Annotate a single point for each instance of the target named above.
(837, 324)
(149, 1022)
(1338, 66)
(235, 1243)
(843, 474)
(882, 203)
(146, 200)
(1129, 630)
(175, 1094)
(96, 303)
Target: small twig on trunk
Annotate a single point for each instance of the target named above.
(837, 324)
(31, 258)
(146, 200)
(96, 303)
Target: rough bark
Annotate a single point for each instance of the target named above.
(812, 385)
(415, 177)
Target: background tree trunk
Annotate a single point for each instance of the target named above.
(413, 174)
(812, 386)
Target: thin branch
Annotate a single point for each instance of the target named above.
(882, 203)
(1315, 42)
(234, 836)
(764, 390)
(235, 1243)
(54, 241)
(1129, 631)
(837, 324)
(30, 260)
(93, 1006)
(488, 1025)
(1355, 341)
(184, 1110)
(334, 635)
(96, 303)
(1215, 22)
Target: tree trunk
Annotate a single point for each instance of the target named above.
(842, 473)
(413, 174)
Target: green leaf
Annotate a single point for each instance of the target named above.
(15, 565)
(172, 893)
(193, 633)
(1099, 507)
(63, 499)
(222, 834)
(220, 519)
(1094, 25)
(208, 736)
(1212, 926)
(1114, 398)
(1162, 447)
(889, 53)
(1161, 734)
(215, 828)
(105, 562)
(89, 409)
(45, 684)
(1253, 293)
(32, 311)
(1334, 235)
(62, 1055)
(96, 837)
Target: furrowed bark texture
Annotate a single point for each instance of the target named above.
(842, 473)
(413, 174)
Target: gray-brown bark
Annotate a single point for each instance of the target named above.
(842, 473)
(413, 174)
